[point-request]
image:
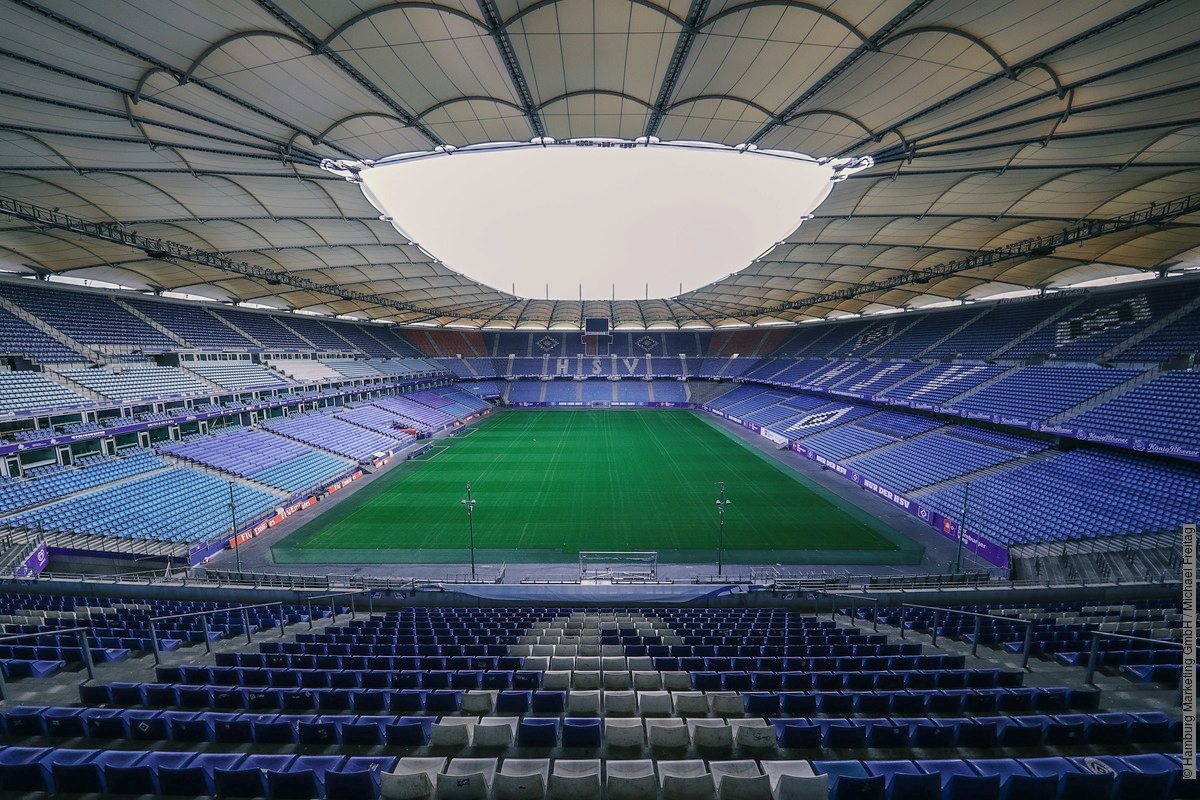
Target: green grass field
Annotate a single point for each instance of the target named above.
(549, 483)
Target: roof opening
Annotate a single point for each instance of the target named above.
(596, 219)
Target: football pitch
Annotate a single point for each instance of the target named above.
(548, 483)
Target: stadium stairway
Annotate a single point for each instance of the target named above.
(958, 480)
(1049, 320)
(153, 323)
(1087, 405)
(89, 353)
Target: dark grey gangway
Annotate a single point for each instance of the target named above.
(81, 634)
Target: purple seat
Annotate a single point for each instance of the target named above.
(73, 771)
(21, 769)
(133, 771)
(303, 778)
(358, 778)
(247, 778)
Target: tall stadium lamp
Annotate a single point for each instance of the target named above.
(470, 504)
(233, 520)
(721, 527)
(962, 527)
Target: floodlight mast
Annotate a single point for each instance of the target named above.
(470, 504)
(962, 527)
(721, 528)
(233, 520)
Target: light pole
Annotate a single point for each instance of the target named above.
(233, 519)
(470, 504)
(962, 527)
(721, 527)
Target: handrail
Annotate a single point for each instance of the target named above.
(978, 615)
(204, 622)
(351, 593)
(1094, 652)
(83, 643)
(853, 606)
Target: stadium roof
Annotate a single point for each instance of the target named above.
(193, 133)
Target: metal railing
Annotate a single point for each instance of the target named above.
(1094, 651)
(854, 598)
(351, 594)
(81, 634)
(979, 617)
(204, 615)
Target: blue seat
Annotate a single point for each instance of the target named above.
(797, 734)
(1145, 727)
(961, 782)
(514, 702)
(303, 778)
(25, 721)
(840, 733)
(1066, 729)
(73, 771)
(1027, 731)
(161, 694)
(235, 728)
(934, 733)
(357, 778)
(443, 701)
(582, 732)
(247, 778)
(297, 699)
(1156, 767)
(761, 704)
(334, 699)
(978, 733)
(21, 769)
(323, 730)
(64, 722)
(849, 780)
(1109, 729)
(277, 731)
(104, 723)
(884, 733)
(133, 771)
(362, 733)
(538, 732)
(409, 731)
(147, 725)
(189, 726)
(548, 702)
(1046, 773)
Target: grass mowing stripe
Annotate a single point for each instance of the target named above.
(592, 480)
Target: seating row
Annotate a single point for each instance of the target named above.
(1113, 728)
(325, 672)
(722, 703)
(337, 777)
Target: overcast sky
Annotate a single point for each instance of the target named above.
(561, 216)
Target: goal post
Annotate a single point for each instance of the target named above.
(618, 566)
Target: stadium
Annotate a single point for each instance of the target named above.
(599, 399)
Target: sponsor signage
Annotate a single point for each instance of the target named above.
(35, 564)
(988, 550)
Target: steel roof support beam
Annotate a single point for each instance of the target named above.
(164, 249)
(516, 75)
(683, 46)
(1037, 247)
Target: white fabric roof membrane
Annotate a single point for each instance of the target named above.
(205, 123)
